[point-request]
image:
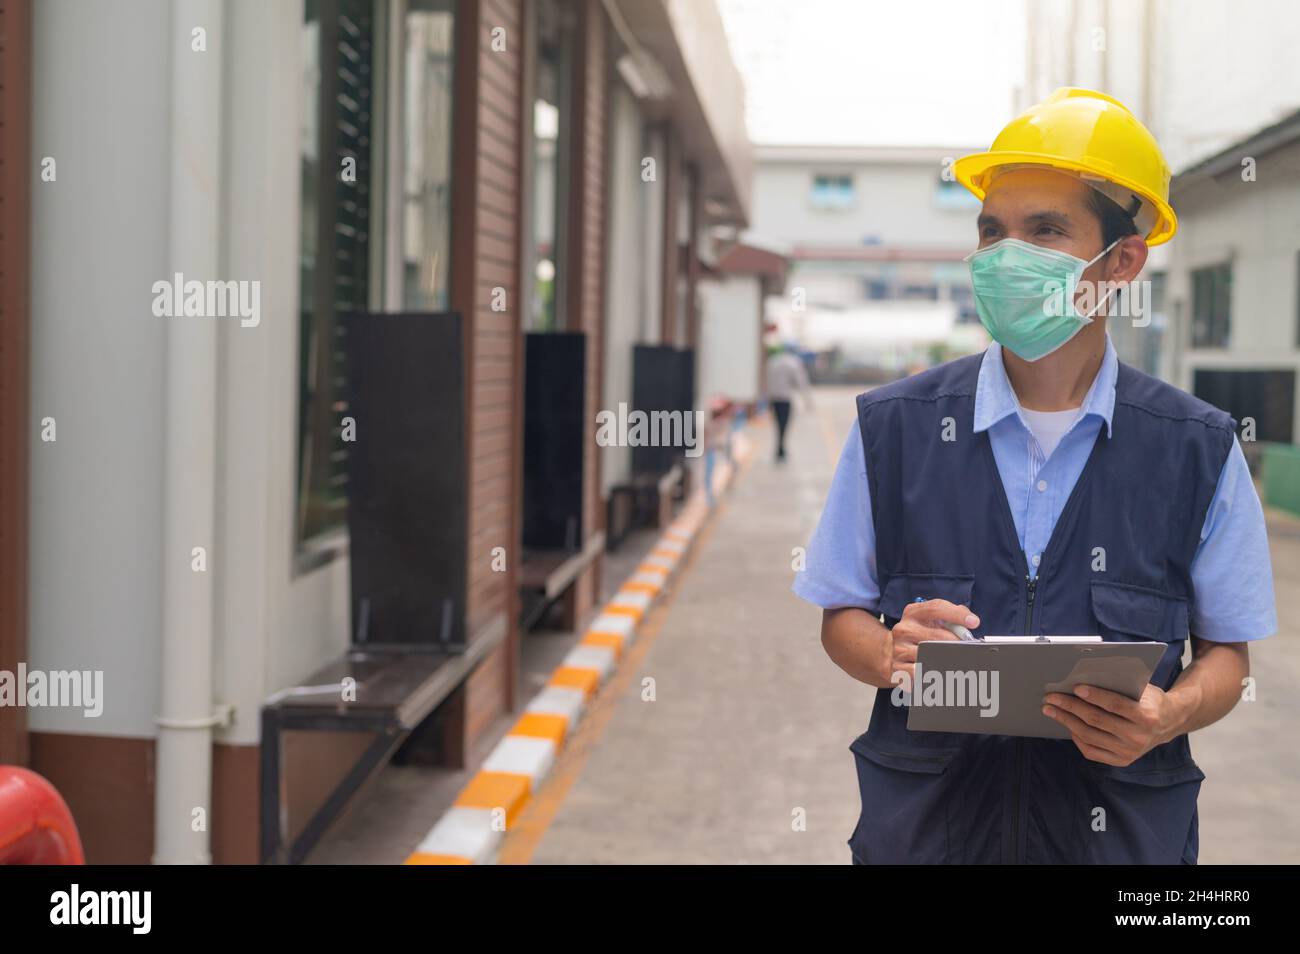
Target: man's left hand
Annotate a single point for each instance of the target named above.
(1111, 728)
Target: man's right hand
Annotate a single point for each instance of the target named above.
(922, 621)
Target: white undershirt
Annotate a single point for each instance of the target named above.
(1048, 427)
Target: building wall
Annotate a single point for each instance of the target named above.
(730, 332)
(486, 249)
(1256, 227)
(97, 337)
(488, 145)
(716, 84)
(101, 237)
(1199, 81)
(903, 207)
(594, 82)
(586, 261)
(100, 88)
(275, 623)
(897, 202)
(654, 201)
(15, 266)
(624, 258)
(672, 171)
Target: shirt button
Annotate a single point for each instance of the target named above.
(1038, 558)
(1042, 485)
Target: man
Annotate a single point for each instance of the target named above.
(785, 375)
(1044, 488)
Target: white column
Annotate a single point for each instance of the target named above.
(184, 755)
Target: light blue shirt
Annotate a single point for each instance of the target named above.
(1232, 577)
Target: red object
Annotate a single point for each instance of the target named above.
(36, 827)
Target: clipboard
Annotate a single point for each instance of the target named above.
(1011, 702)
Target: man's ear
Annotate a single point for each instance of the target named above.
(1127, 258)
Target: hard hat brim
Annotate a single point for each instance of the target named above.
(972, 171)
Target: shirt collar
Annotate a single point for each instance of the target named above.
(995, 398)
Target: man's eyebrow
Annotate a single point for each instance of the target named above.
(1039, 217)
(1049, 217)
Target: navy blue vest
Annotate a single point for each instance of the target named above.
(944, 530)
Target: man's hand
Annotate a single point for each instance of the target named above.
(922, 621)
(1114, 729)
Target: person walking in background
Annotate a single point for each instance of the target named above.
(785, 376)
(717, 440)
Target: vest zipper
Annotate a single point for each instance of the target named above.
(1031, 587)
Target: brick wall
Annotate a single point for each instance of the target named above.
(587, 253)
(485, 258)
(15, 251)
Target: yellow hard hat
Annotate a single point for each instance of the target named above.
(1093, 136)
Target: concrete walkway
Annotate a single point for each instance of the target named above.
(750, 726)
(742, 756)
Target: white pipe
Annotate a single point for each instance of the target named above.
(184, 754)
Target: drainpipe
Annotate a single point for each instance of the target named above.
(186, 719)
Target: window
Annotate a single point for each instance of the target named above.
(1154, 333)
(964, 297)
(875, 289)
(426, 176)
(550, 163)
(334, 270)
(341, 267)
(1267, 397)
(953, 195)
(1211, 306)
(833, 192)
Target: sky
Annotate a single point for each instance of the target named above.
(868, 72)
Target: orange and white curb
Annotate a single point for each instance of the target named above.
(471, 831)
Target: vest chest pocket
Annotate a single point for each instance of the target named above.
(904, 588)
(905, 807)
(1128, 613)
(1133, 612)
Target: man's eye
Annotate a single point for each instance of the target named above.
(1049, 230)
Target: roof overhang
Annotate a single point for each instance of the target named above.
(1227, 163)
(745, 259)
(704, 96)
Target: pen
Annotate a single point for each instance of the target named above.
(961, 632)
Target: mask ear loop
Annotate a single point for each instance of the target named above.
(1103, 252)
(1097, 306)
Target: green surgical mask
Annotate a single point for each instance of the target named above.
(1024, 295)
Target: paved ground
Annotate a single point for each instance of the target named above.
(389, 818)
(751, 722)
(1250, 800)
